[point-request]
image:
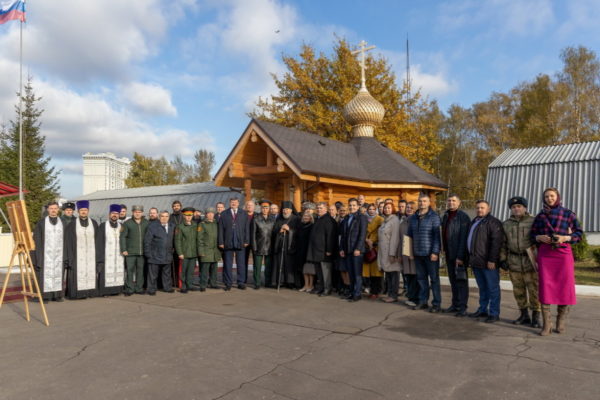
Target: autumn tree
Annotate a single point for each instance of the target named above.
(315, 88)
(148, 171)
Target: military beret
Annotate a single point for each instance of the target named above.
(210, 210)
(137, 208)
(517, 200)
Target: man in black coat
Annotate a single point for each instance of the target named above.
(262, 233)
(322, 247)
(484, 241)
(233, 238)
(158, 248)
(455, 228)
(353, 232)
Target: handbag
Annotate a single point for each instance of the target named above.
(371, 255)
(461, 273)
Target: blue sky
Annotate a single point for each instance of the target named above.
(169, 77)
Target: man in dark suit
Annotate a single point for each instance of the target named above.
(233, 238)
(352, 247)
(158, 248)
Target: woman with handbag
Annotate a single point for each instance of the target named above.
(370, 270)
(387, 258)
(555, 229)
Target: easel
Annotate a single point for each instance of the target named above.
(17, 213)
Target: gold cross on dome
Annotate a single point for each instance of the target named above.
(362, 49)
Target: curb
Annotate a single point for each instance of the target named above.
(580, 290)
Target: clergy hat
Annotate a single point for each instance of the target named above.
(68, 204)
(137, 208)
(86, 204)
(264, 201)
(517, 200)
(188, 211)
(114, 208)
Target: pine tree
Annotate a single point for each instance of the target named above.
(39, 178)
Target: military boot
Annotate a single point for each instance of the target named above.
(523, 318)
(561, 319)
(535, 319)
(547, 329)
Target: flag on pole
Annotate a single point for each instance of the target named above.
(12, 9)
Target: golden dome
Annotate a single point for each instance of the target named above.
(364, 113)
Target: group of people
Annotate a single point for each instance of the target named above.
(352, 249)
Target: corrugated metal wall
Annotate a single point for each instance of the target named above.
(577, 181)
(99, 208)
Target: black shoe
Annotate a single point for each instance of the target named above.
(435, 309)
(354, 299)
(241, 286)
(184, 291)
(169, 291)
(535, 319)
(491, 319)
(152, 293)
(128, 294)
(202, 289)
(227, 288)
(194, 289)
(451, 309)
(523, 318)
(59, 299)
(478, 314)
(256, 287)
(213, 287)
(325, 293)
(461, 314)
(141, 292)
(421, 307)
(313, 291)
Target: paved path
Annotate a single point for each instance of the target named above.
(264, 345)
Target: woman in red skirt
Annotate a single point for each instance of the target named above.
(555, 228)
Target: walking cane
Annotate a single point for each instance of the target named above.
(281, 262)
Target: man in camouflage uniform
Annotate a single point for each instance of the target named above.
(514, 257)
(186, 234)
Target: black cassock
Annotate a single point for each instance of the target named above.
(284, 251)
(81, 279)
(110, 263)
(48, 258)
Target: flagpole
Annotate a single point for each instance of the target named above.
(21, 112)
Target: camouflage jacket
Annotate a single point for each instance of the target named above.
(517, 240)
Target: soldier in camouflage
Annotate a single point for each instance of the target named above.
(514, 257)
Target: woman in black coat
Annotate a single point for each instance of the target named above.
(303, 237)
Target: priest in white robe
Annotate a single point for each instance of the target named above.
(111, 264)
(48, 256)
(80, 253)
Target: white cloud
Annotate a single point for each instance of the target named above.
(435, 84)
(253, 33)
(499, 16)
(151, 99)
(87, 40)
(432, 81)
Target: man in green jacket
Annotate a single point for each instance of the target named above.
(208, 251)
(131, 242)
(186, 237)
(514, 256)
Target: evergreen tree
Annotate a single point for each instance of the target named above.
(39, 178)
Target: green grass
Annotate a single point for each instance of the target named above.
(587, 272)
